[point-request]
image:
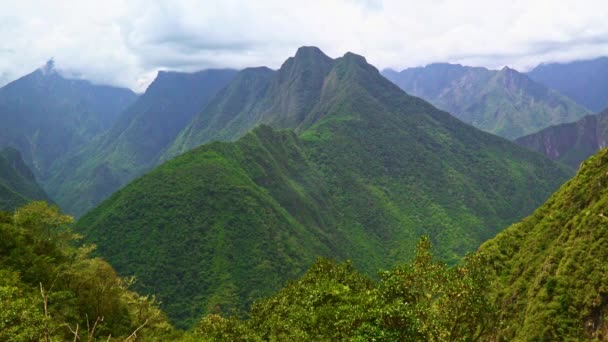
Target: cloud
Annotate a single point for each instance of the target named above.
(125, 42)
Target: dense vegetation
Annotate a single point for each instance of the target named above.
(46, 116)
(420, 301)
(368, 171)
(17, 183)
(571, 143)
(550, 270)
(505, 102)
(52, 290)
(584, 81)
(134, 143)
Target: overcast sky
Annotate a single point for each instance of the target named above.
(125, 43)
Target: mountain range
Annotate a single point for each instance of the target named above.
(504, 102)
(584, 81)
(134, 144)
(46, 116)
(345, 164)
(571, 143)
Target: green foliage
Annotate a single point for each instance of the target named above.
(366, 173)
(50, 289)
(421, 301)
(505, 102)
(549, 271)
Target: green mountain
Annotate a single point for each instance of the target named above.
(283, 99)
(46, 116)
(571, 143)
(133, 145)
(17, 183)
(584, 81)
(368, 171)
(505, 102)
(551, 276)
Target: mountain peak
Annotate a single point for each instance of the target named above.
(305, 57)
(48, 67)
(309, 51)
(349, 56)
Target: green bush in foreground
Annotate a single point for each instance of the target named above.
(423, 301)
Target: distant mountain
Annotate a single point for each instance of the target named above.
(46, 116)
(571, 143)
(134, 144)
(586, 82)
(505, 102)
(365, 172)
(550, 269)
(17, 183)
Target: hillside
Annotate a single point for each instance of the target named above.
(46, 116)
(17, 183)
(504, 102)
(228, 222)
(550, 268)
(584, 81)
(571, 143)
(134, 144)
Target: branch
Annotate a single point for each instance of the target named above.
(134, 334)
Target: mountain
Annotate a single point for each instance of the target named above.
(586, 81)
(571, 143)
(550, 269)
(17, 182)
(46, 116)
(134, 144)
(282, 98)
(367, 170)
(504, 102)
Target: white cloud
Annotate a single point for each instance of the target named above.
(124, 42)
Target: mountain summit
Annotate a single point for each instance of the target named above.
(364, 171)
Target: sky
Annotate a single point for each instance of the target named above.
(126, 42)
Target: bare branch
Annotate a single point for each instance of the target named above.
(134, 334)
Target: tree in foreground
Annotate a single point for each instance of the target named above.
(50, 289)
(424, 300)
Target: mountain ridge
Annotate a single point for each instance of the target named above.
(134, 144)
(503, 102)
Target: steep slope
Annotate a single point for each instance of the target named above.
(551, 272)
(134, 144)
(571, 143)
(225, 223)
(17, 183)
(586, 82)
(46, 116)
(505, 102)
(282, 99)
